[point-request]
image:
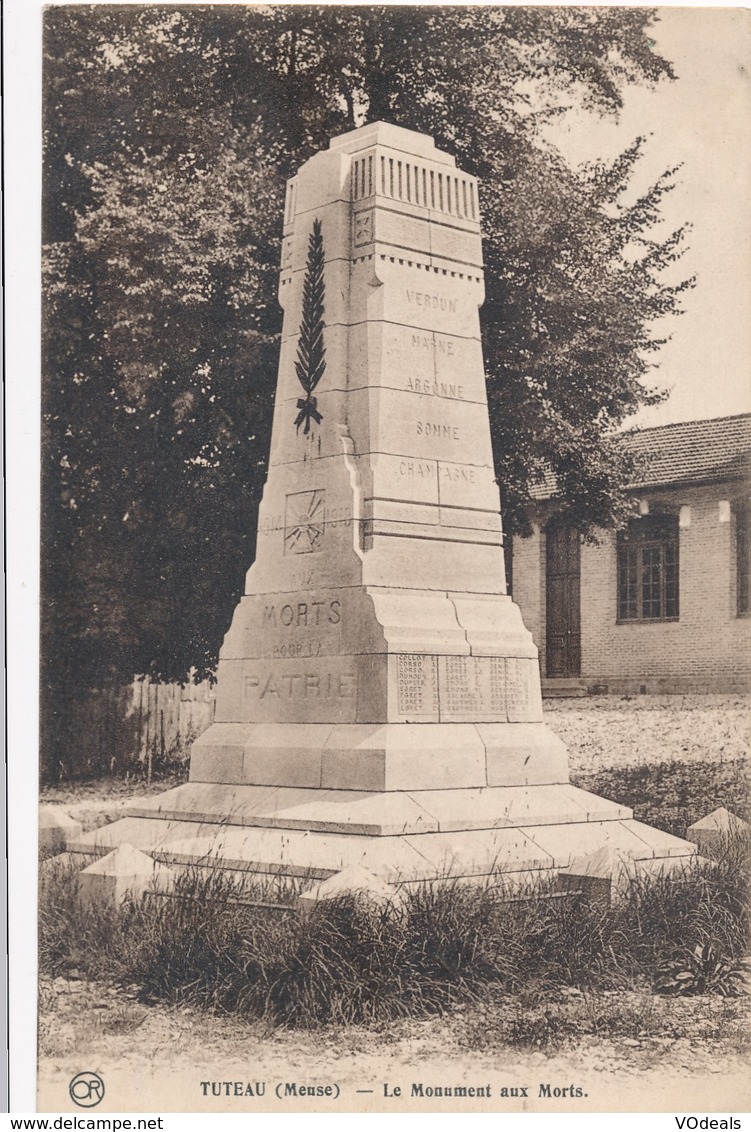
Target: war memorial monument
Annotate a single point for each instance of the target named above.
(378, 706)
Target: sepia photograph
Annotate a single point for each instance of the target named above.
(395, 563)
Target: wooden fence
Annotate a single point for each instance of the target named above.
(167, 718)
(143, 728)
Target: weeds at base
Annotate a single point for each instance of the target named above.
(444, 947)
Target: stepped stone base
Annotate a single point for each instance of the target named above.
(399, 836)
(379, 756)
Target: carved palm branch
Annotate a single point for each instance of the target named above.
(311, 352)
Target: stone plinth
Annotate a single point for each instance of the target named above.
(715, 833)
(56, 829)
(378, 699)
(124, 874)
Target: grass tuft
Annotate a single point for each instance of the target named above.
(443, 945)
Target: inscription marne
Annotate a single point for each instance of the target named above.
(437, 345)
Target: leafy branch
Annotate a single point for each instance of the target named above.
(311, 352)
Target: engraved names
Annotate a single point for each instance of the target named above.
(472, 687)
(523, 695)
(466, 688)
(417, 685)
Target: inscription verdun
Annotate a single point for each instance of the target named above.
(429, 301)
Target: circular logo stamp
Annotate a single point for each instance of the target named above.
(86, 1089)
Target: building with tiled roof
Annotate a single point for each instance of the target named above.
(688, 452)
(663, 605)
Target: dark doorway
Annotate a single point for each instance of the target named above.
(563, 567)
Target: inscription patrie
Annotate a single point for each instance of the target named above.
(301, 685)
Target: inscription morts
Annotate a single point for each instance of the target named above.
(304, 627)
(303, 623)
(417, 686)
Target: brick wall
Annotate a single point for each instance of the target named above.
(528, 583)
(707, 649)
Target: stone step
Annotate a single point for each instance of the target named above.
(563, 688)
(379, 814)
(397, 858)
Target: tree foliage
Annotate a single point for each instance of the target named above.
(169, 133)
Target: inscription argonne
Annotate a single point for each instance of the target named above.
(450, 390)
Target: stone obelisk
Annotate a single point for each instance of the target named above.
(378, 698)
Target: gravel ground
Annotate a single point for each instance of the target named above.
(669, 1055)
(617, 731)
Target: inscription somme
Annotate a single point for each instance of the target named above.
(432, 428)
